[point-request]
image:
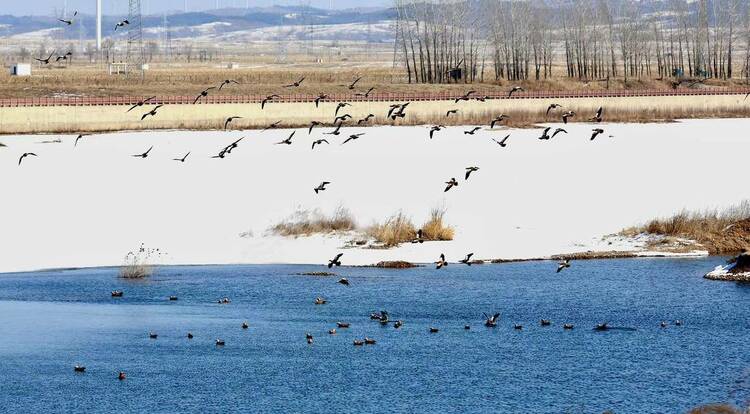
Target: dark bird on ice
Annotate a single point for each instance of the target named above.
(26, 154)
(151, 112)
(353, 137)
(295, 84)
(318, 142)
(450, 184)
(500, 118)
(596, 132)
(472, 131)
(336, 261)
(564, 264)
(321, 187)
(467, 260)
(181, 159)
(557, 131)
(203, 94)
(287, 141)
(502, 143)
(229, 120)
(141, 103)
(470, 170)
(514, 90)
(144, 155)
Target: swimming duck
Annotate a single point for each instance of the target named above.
(568, 326)
(398, 324)
(79, 368)
(332, 331)
(358, 342)
(219, 342)
(369, 341)
(434, 330)
(517, 327)
(320, 301)
(545, 322)
(245, 325)
(152, 335)
(342, 324)
(491, 321)
(190, 335)
(121, 376)
(117, 293)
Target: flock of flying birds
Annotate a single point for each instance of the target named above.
(69, 22)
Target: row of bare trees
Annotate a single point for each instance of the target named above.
(583, 39)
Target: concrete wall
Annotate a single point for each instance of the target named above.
(22, 120)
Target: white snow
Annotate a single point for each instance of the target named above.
(90, 205)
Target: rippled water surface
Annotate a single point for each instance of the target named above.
(53, 320)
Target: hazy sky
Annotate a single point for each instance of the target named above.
(48, 7)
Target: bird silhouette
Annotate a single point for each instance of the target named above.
(68, 21)
(545, 134)
(313, 124)
(295, 84)
(341, 118)
(227, 82)
(465, 97)
(365, 119)
(482, 98)
(470, 170)
(344, 281)
(503, 142)
(596, 132)
(514, 90)
(46, 61)
(339, 106)
(564, 264)
(442, 262)
(352, 138)
(64, 57)
(203, 94)
(78, 138)
(553, 106)
(336, 261)
(397, 110)
(122, 23)
(321, 187)
(336, 131)
(353, 84)
(419, 238)
(229, 121)
(141, 103)
(151, 112)
(557, 131)
(450, 184)
(320, 98)
(500, 118)
(435, 129)
(451, 112)
(181, 159)
(26, 154)
(467, 260)
(366, 94)
(566, 115)
(267, 99)
(318, 142)
(472, 131)
(597, 115)
(287, 141)
(271, 126)
(228, 149)
(144, 155)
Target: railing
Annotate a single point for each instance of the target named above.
(374, 97)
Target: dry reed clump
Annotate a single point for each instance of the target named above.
(435, 228)
(137, 265)
(305, 223)
(395, 230)
(719, 231)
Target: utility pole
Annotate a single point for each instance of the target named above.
(135, 58)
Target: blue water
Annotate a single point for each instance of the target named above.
(52, 320)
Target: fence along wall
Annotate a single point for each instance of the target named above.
(109, 114)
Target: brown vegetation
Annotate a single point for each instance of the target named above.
(398, 264)
(305, 223)
(395, 230)
(435, 228)
(137, 264)
(716, 409)
(719, 231)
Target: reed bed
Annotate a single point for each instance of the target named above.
(306, 223)
(138, 264)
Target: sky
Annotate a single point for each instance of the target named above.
(48, 7)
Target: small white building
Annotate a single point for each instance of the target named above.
(20, 69)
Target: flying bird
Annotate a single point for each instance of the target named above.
(465, 97)
(203, 94)
(287, 141)
(321, 187)
(442, 262)
(295, 84)
(467, 260)
(227, 82)
(553, 106)
(336, 131)
(320, 98)
(336, 261)
(141, 103)
(313, 124)
(565, 263)
(45, 61)
(451, 183)
(144, 155)
(318, 142)
(78, 138)
(557, 131)
(151, 112)
(122, 24)
(502, 143)
(451, 112)
(229, 121)
(233, 145)
(596, 132)
(69, 21)
(472, 131)
(267, 99)
(567, 115)
(500, 118)
(181, 159)
(26, 154)
(341, 105)
(351, 86)
(365, 119)
(271, 126)
(352, 137)
(598, 115)
(514, 90)
(435, 129)
(470, 170)
(341, 118)
(64, 57)
(545, 134)
(366, 94)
